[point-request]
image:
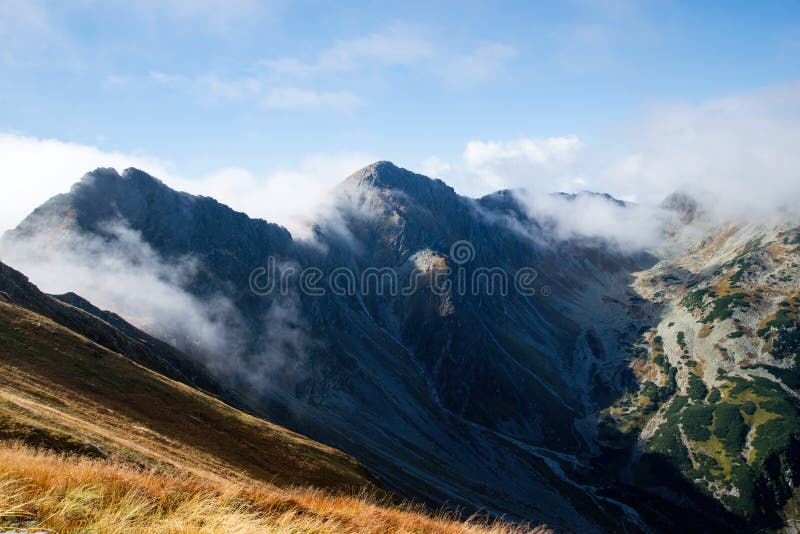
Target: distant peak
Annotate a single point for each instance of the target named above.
(376, 172)
(684, 204)
(381, 166)
(387, 175)
(592, 194)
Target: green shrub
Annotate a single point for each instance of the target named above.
(696, 420)
(787, 341)
(696, 389)
(729, 427)
(682, 340)
(790, 377)
(724, 306)
(774, 436)
(693, 300)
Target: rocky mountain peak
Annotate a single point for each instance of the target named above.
(387, 175)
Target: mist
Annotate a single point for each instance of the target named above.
(629, 227)
(124, 274)
(738, 156)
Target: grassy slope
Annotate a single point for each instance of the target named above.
(137, 452)
(71, 494)
(55, 384)
(42, 490)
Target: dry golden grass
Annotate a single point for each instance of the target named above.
(71, 494)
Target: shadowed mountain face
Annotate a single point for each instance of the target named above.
(483, 396)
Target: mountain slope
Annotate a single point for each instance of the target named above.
(149, 454)
(459, 405)
(524, 403)
(58, 383)
(718, 395)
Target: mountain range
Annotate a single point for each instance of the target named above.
(624, 388)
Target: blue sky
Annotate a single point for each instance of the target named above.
(277, 87)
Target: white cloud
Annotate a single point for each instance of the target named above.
(739, 154)
(538, 164)
(435, 167)
(292, 83)
(215, 16)
(163, 78)
(402, 45)
(211, 87)
(551, 152)
(126, 275)
(32, 170)
(630, 227)
(290, 197)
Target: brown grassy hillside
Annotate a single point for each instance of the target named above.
(92, 442)
(61, 390)
(77, 494)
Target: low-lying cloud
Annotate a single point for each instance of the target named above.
(630, 227)
(738, 156)
(115, 269)
(123, 273)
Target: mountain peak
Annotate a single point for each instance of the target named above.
(103, 177)
(172, 221)
(380, 167)
(387, 175)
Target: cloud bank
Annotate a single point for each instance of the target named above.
(629, 227)
(739, 156)
(32, 170)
